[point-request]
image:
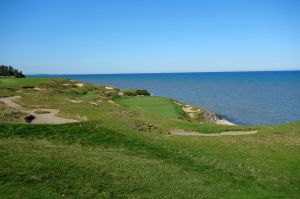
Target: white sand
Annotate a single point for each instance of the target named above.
(191, 111)
(74, 101)
(38, 89)
(79, 84)
(109, 88)
(94, 103)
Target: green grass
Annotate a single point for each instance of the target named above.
(89, 159)
(205, 127)
(107, 157)
(16, 83)
(151, 104)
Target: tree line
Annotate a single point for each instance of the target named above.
(10, 72)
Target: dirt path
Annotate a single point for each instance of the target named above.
(49, 117)
(181, 132)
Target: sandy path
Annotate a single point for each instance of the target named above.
(46, 118)
(181, 132)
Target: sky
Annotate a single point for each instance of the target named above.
(149, 36)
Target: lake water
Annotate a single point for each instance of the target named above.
(247, 98)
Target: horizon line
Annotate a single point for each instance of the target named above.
(141, 73)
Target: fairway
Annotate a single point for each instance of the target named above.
(152, 104)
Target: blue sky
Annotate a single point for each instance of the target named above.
(138, 36)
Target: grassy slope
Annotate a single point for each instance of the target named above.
(154, 166)
(105, 158)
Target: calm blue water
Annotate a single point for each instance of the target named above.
(248, 98)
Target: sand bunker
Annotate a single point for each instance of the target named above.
(109, 88)
(94, 103)
(48, 117)
(79, 84)
(39, 89)
(112, 102)
(74, 101)
(177, 103)
(181, 132)
(191, 111)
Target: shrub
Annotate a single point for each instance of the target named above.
(9, 71)
(136, 92)
(142, 92)
(129, 93)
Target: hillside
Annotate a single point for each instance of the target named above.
(100, 143)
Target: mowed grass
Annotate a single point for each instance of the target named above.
(89, 160)
(155, 105)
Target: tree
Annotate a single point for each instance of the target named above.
(9, 71)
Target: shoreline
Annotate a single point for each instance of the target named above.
(195, 92)
(225, 122)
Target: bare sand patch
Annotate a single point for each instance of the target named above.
(74, 101)
(39, 89)
(191, 111)
(79, 84)
(49, 116)
(94, 103)
(109, 88)
(112, 102)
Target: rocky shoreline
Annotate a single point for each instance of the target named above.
(215, 118)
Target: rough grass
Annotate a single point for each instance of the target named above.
(10, 115)
(71, 159)
(47, 170)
